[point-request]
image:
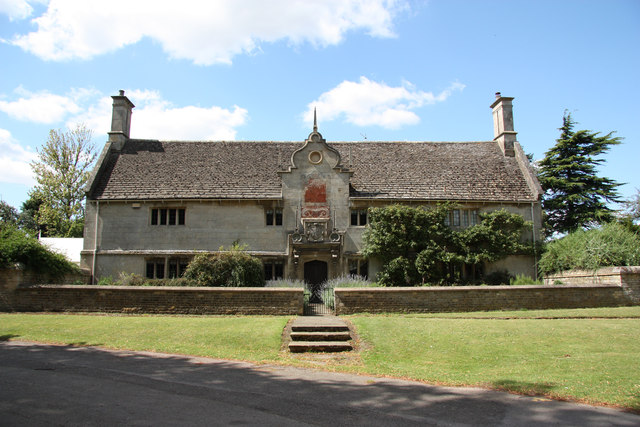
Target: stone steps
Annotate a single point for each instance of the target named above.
(319, 334)
(319, 346)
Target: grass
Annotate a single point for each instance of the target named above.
(589, 355)
(219, 337)
(590, 360)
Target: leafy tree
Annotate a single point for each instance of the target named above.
(630, 215)
(62, 172)
(27, 219)
(8, 214)
(575, 196)
(633, 206)
(415, 246)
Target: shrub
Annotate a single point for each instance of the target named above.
(496, 278)
(397, 272)
(106, 281)
(521, 279)
(176, 281)
(130, 279)
(230, 268)
(285, 283)
(610, 245)
(349, 281)
(17, 247)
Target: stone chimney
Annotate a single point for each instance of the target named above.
(120, 120)
(503, 132)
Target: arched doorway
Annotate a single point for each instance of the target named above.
(315, 272)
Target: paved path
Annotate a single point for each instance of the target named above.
(60, 385)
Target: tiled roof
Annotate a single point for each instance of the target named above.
(151, 169)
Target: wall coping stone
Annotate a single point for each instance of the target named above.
(473, 288)
(604, 271)
(168, 288)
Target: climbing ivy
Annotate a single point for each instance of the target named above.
(416, 247)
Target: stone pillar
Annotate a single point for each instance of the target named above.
(630, 281)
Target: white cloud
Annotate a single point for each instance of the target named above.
(153, 117)
(156, 118)
(14, 161)
(366, 103)
(205, 32)
(15, 9)
(39, 107)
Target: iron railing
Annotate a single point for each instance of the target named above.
(318, 299)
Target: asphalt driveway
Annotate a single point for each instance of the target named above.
(63, 385)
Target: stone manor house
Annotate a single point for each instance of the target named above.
(301, 207)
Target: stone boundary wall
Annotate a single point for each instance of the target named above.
(626, 277)
(155, 300)
(477, 298)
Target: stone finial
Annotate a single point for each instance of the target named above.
(315, 120)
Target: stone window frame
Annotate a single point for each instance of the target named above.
(273, 268)
(461, 218)
(359, 217)
(163, 267)
(273, 216)
(358, 267)
(455, 217)
(167, 216)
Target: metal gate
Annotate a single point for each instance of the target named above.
(318, 299)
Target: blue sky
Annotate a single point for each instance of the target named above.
(375, 69)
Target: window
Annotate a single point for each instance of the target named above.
(273, 270)
(474, 217)
(167, 216)
(155, 269)
(175, 267)
(461, 217)
(456, 217)
(359, 267)
(358, 217)
(273, 216)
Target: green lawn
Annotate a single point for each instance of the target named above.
(255, 338)
(592, 360)
(591, 355)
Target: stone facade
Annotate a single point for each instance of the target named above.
(301, 207)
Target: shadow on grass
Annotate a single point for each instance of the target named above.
(8, 337)
(522, 387)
